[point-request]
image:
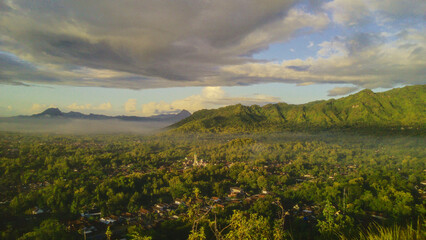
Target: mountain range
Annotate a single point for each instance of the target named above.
(399, 108)
(53, 120)
(56, 113)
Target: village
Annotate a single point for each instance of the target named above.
(92, 225)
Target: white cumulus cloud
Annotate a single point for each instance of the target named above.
(80, 107)
(353, 12)
(364, 60)
(210, 97)
(36, 107)
(130, 106)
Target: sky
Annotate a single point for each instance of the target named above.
(142, 58)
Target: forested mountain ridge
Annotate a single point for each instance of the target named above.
(394, 109)
(56, 113)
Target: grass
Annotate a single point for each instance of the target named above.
(378, 232)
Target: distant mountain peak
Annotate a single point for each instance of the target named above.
(56, 113)
(184, 113)
(51, 112)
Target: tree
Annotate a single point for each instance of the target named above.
(138, 236)
(333, 221)
(328, 225)
(135, 233)
(197, 234)
(248, 227)
(49, 229)
(108, 233)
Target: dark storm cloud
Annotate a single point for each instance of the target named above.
(14, 71)
(173, 41)
(4, 7)
(299, 68)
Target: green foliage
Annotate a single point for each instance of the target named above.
(248, 227)
(397, 109)
(108, 233)
(377, 232)
(366, 178)
(197, 234)
(135, 233)
(333, 222)
(49, 229)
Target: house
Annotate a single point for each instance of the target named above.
(37, 211)
(160, 207)
(236, 190)
(179, 201)
(93, 212)
(235, 202)
(307, 211)
(219, 206)
(89, 230)
(143, 211)
(215, 199)
(107, 220)
(127, 216)
(232, 195)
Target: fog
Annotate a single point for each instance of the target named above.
(80, 126)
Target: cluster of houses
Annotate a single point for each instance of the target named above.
(305, 212)
(92, 225)
(194, 163)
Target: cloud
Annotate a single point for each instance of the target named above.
(354, 12)
(311, 44)
(349, 12)
(210, 97)
(338, 91)
(144, 44)
(130, 106)
(140, 44)
(3, 6)
(298, 68)
(364, 60)
(15, 71)
(36, 107)
(156, 108)
(101, 107)
(104, 106)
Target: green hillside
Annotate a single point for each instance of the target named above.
(400, 108)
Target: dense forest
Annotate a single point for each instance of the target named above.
(399, 109)
(286, 185)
